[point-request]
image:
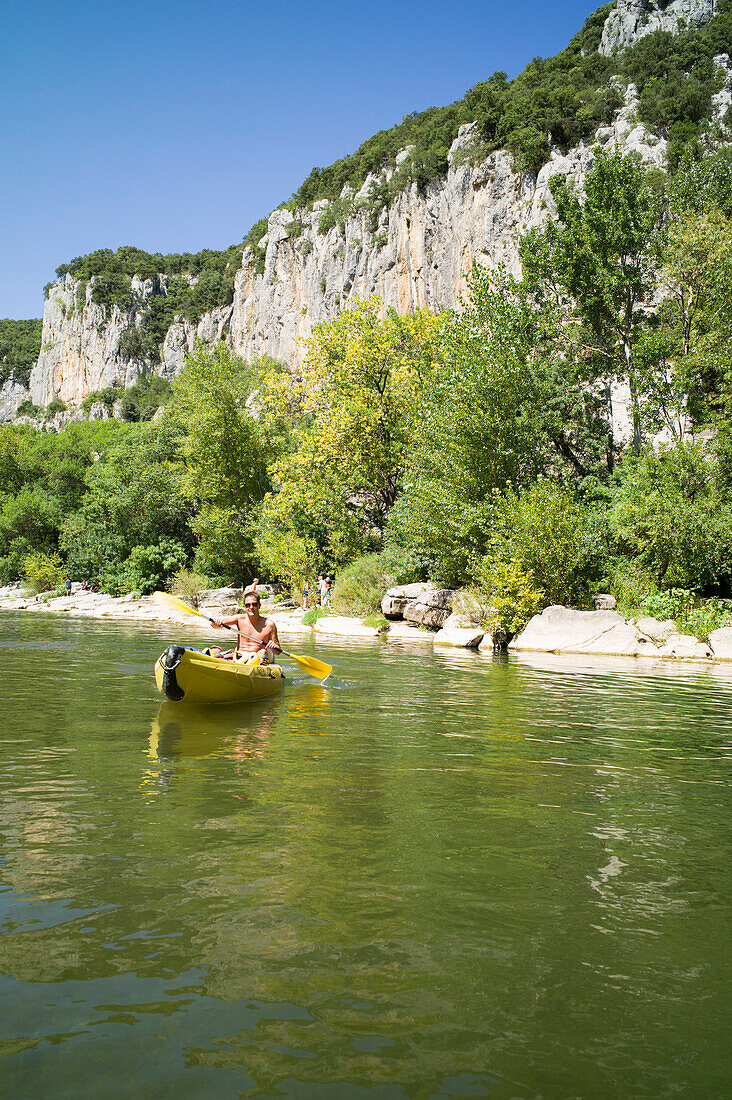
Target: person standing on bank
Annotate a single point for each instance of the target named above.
(257, 635)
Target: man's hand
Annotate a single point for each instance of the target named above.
(217, 623)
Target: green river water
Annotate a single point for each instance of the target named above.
(438, 875)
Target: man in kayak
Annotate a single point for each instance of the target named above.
(257, 635)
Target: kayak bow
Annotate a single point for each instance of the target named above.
(196, 677)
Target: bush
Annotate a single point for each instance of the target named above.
(187, 583)
(510, 591)
(672, 512)
(27, 408)
(43, 571)
(53, 407)
(311, 616)
(554, 538)
(147, 568)
(360, 586)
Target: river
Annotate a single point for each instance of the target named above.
(438, 875)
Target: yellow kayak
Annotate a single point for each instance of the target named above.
(195, 677)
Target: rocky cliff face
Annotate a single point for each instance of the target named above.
(632, 19)
(424, 243)
(416, 256)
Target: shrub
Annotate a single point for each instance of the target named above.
(511, 593)
(187, 583)
(147, 568)
(378, 622)
(311, 616)
(360, 586)
(27, 408)
(672, 512)
(55, 406)
(555, 539)
(43, 571)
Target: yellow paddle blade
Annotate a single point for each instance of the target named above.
(311, 665)
(178, 605)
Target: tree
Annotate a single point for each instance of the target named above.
(353, 411)
(599, 260)
(225, 450)
(505, 407)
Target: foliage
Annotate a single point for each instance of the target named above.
(352, 414)
(359, 587)
(147, 568)
(510, 591)
(20, 346)
(224, 450)
(312, 615)
(108, 396)
(143, 399)
(209, 274)
(553, 537)
(53, 407)
(187, 583)
(515, 411)
(671, 511)
(135, 513)
(43, 571)
(596, 265)
(286, 556)
(27, 408)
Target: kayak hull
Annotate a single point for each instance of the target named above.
(187, 675)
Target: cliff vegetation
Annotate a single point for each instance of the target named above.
(474, 447)
(552, 105)
(20, 343)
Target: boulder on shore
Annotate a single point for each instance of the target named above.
(658, 630)
(345, 627)
(454, 632)
(218, 602)
(685, 645)
(564, 630)
(431, 609)
(396, 599)
(721, 643)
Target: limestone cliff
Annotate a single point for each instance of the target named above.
(632, 19)
(417, 255)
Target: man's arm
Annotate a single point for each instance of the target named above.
(273, 642)
(232, 621)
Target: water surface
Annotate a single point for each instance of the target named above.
(439, 875)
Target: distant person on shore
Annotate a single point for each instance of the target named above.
(305, 595)
(327, 592)
(68, 586)
(257, 636)
(321, 590)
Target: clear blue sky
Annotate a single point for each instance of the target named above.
(175, 125)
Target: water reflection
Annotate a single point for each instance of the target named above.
(438, 874)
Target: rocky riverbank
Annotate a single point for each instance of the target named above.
(419, 613)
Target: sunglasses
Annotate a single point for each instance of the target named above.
(252, 604)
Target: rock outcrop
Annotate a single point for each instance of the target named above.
(562, 629)
(415, 254)
(631, 20)
(431, 609)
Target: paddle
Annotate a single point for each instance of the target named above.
(311, 665)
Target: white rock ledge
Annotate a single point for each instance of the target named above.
(564, 630)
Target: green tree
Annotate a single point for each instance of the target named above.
(353, 412)
(672, 514)
(599, 262)
(225, 449)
